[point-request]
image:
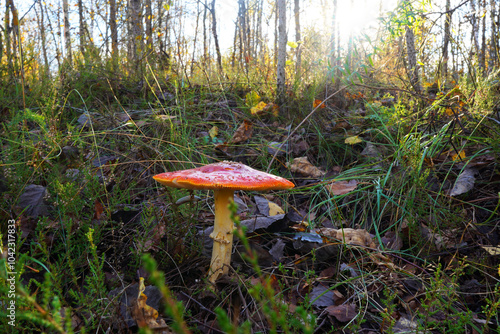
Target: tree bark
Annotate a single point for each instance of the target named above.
(67, 32)
(482, 53)
(298, 38)
(333, 57)
(446, 40)
(81, 27)
(412, 59)
(149, 25)
(494, 36)
(282, 40)
(113, 28)
(43, 41)
(475, 27)
(135, 32)
(216, 39)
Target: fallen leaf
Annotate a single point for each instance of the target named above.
(143, 314)
(272, 147)
(458, 156)
(214, 131)
(492, 250)
(304, 167)
(268, 208)
(258, 109)
(317, 102)
(464, 183)
(275, 209)
(343, 313)
(98, 210)
(321, 296)
(341, 187)
(32, 200)
(350, 236)
(244, 132)
(353, 140)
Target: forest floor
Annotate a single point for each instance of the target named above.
(392, 227)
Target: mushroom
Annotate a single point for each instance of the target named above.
(223, 178)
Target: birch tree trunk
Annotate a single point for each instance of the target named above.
(482, 55)
(298, 38)
(412, 59)
(475, 27)
(333, 57)
(67, 32)
(282, 40)
(446, 40)
(205, 43)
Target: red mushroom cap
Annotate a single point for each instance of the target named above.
(223, 175)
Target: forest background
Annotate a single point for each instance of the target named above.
(384, 114)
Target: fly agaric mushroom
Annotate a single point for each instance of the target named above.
(224, 178)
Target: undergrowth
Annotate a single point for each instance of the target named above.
(96, 222)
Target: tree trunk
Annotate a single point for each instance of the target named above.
(135, 32)
(8, 45)
(43, 41)
(67, 33)
(298, 38)
(494, 36)
(205, 44)
(282, 40)
(482, 54)
(475, 27)
(412, 59)
(113, 28)
(333, 57)
(81, 27)
(446, 40)
(216, 39)
(149, 25)
(276, 34)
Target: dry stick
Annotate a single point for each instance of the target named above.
(278, 149)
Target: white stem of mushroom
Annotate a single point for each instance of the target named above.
(222, 234)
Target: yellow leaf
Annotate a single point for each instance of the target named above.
(214, 131)
(459, 156)
(353, 140)
(293, 45)
(449, 111)
(275, 209)
(258, 109)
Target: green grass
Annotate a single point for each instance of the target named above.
(89, 243)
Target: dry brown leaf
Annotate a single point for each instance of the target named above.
(304, 167)
(143, 314)
(341, 187)
(343, 313)
(244, 132)
(349, 236)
